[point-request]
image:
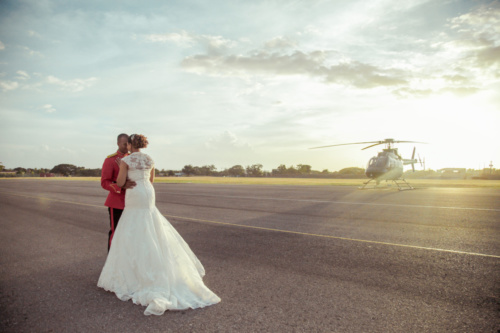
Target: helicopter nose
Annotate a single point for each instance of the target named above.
(374, 173)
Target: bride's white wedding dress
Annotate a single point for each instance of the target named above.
(149, 262)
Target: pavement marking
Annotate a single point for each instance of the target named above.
(274, 230)
(51, 199)
(334, 237)
(334, 202)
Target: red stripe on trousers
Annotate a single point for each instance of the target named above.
(112, 226)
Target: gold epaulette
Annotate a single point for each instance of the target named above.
(114, 154)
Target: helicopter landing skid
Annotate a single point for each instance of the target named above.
(401, 183)
(404, 185)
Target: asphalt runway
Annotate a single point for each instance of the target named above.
(282, 258)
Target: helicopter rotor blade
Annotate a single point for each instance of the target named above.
(378, 143)
(346, 144)
(413, 155)
(410, 142)
(374, 143)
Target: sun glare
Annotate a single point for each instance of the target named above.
(461, 131)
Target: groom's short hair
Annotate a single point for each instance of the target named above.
(123, 135)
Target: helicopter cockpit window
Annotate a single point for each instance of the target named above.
(382, 161)
(372, 161)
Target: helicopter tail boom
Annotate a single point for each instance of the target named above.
(412, 161)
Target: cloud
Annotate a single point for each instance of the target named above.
(33, 33)
(459, 60)
(48, 108)
(8, 85)
(213, 44)
(463, 58)
(479, 35)
(312, 64)
(26, 82)
(488, 56)
(75, 85)
(455, 90)
(363, 75)
(225, 149)
(226, 141)
(22, 75)
(280, 43)
(179, 38)
(455, 78)
(2, 46)
(483, 20)
(460, 91)
(31, 52)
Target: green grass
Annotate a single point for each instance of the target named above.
(258, 181)
(422, 183)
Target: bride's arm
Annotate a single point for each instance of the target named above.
(151, 176)
(122, 175)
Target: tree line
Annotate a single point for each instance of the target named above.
(65, 170)
(254, 170)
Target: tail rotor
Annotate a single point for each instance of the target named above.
(413, 159)
(422, 162)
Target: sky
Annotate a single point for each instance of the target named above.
(249, 82)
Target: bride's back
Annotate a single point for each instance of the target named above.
(139, 166)
(142, 195)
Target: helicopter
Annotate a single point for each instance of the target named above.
(387, 165)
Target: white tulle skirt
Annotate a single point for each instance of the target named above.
(150, 264)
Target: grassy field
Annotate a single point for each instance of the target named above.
(293, 181)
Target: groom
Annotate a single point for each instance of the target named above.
(116, 197)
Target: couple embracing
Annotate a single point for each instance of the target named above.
(148, 262)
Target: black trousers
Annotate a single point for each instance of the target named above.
(114, 217)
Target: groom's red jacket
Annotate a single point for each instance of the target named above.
(109, 174)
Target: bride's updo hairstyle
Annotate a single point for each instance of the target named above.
(138, 141)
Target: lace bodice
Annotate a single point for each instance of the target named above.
(139, 161)
(139, 165)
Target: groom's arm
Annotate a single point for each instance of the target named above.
(121, 180)
(107, 181)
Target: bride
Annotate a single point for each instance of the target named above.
(149, 262)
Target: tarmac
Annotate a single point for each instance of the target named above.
(282, 258)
